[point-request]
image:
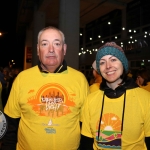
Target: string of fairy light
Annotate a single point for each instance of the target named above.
(131, 40)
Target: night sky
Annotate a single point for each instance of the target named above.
(8, 41)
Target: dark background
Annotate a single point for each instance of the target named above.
(9, 47)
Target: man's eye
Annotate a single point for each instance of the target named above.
(57, 44)
(44, 44)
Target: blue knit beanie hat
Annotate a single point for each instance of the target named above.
(111, 48)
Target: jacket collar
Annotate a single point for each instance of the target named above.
(129, 83)
(60, 68)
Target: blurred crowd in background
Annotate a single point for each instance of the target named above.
(7, 76)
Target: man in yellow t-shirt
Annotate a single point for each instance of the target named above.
(44, 109)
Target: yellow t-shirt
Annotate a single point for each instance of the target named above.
(50, 105)
(94, 87)
(147, 87)
(136, 122)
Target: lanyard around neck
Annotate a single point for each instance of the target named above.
(102, 114)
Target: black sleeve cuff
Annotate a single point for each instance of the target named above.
(86, 143)
(147, 141)
(9, 140)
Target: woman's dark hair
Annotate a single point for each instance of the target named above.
(145, 74)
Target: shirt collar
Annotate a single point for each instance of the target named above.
(59, 69)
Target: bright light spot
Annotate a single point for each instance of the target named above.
(108, 128)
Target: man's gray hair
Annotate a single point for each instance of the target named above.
(54, 28)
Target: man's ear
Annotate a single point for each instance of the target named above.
(37, 49)
(65, 48)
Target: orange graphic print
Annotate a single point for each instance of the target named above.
(110, 132)
(110, 121)
(52, 100)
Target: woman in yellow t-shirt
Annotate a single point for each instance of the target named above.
(117, 115)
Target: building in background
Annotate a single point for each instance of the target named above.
(126, 22)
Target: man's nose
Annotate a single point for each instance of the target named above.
(51, 48)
